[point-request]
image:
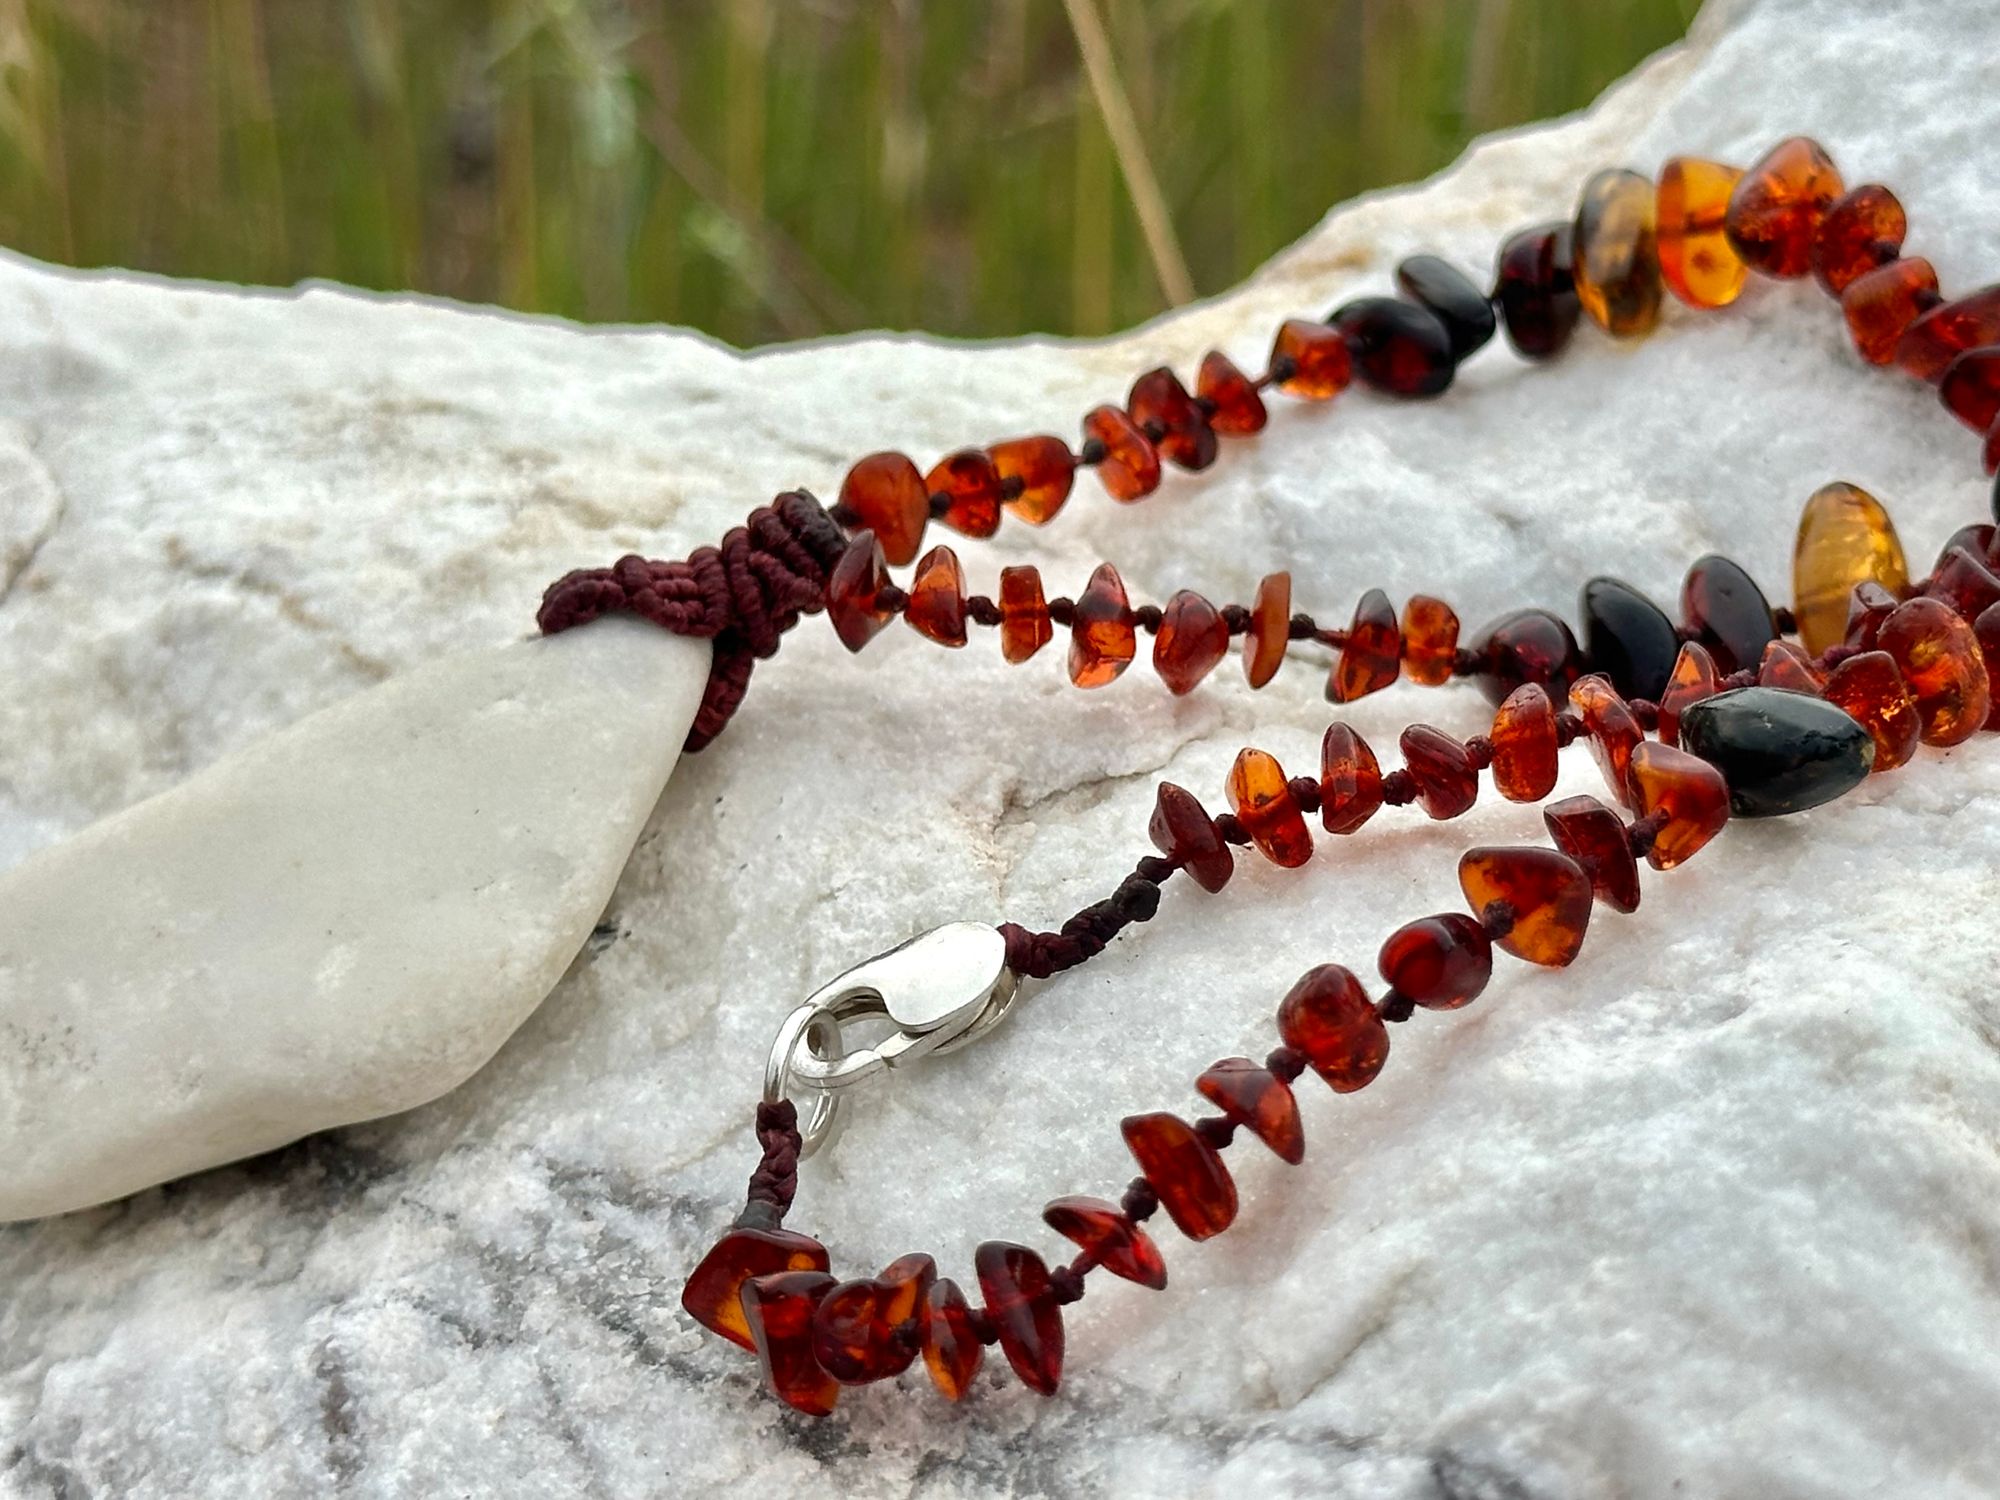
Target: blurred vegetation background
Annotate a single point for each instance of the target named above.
(760, 169)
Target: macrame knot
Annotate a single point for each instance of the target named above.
(776, 1180)
(743, 594)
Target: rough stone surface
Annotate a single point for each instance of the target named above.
(1716, 1211)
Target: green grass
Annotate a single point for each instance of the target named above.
(758, 168)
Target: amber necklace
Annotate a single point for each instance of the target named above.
(1745, 721)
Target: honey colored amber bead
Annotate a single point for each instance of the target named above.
(1963, 583)
(1862, 230)
(1786, 666)
(1399, 348)
(1870, 690)
(1130, 467)
(1696, 259)
(1022, 1304)
(1109, 1237)
(1102, 637)
(1594, 836)
(779, 1309)
(1182, 830)
(1185, 1171)
(1171, 420)
(1937, 337)
(1234, 407)
(1440, 962)
(1617, 253)
(1986, 631)
(1191, 639)
(1535, 903)
(1036, 474)
(1446, 783)
(1614, 731)
(971, 487)
(890, 498)
(1845, 536)
(869, 1330)
(1350, 780)
(1970, 389)
(1328, 1017)
(1686, 799)
(1270, 628)
(712, 1296)
(1372, 655)
(1024, 614)
(1535, 290)
(1529, 645)
(952, 1351)
(1727, 612)
(1941, 665)
(1525, 745)
(1880, 305)
(1430, 640)
(1694, 678)
(1258, 1100)
(1776, 209)
(937, 598)
(1311, 360)
(1868, 605)
(854, 594)
(1267, 809)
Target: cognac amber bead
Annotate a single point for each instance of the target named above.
(1430, 640)
(1534, 902)
(1022, 1304)
(1102, 638)
(1786, 666)
(1525, 744)
(971, 487)
(1270, 628)
(1372, 655)
(1036, 474)
(1442, 290)
(1185, 1171)
(1941, 665)
(1109, 1237)
(1845, 536)
(1267, 810)
(712, 1296)
(1328, 1017)
(1613, 728)
(1191, 639)
(1182, 830)
(937, 598)
(1627, 637)
(1529, 645)
(1350, 780)
(1440, 962)
(1130, 468)
(1862, 230)
(1024, 613)
(1776, 209)
(1727, 612)
(1868, 605)
(854, 593)
(1171, 420)
(1694, 678)
(1970, 389)
(1686, 798)
(1696, 259)
(1870, 690)
(869, 1330)
(1986, 631)
(779, 1309)
(1535, 290)
(952, 1351)
(1617, 253)
(1234, 407)
(1258, 1100)
(1937, 337)
(1399, 348)
(1446, 783)
(1880, 305)
(1594, 836)
(1963, 583)
(891, 499)
(1311, 360)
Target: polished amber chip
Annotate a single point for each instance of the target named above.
(1024, 613)
(1328, 1017)
(1102, 639)
(1350, 780)
(1525, 744)
(890, 498)
(1776, 209)
(1108, 1235)
(1258, 1100)
(1430, 640)
(1185, 1171)
(1191, 639)
(1372, 655)
(1262, 797)
(1535, 903)
(1270, 629)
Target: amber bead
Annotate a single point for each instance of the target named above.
(1529, 645)
(1989, 457)
(1534, 902)
(1430, 640)
(1170, 419)
(1868, 605)
(971, 487)
(1270, 628)
(1109, 1237)
(1260, 1101)
(1036, 474)
(713, 1291)
(1845, 536)
(779, 1309)
(1444, 291)
(952, 1351)
(1191, 639)
(1440, 962)
(1780, 752)
(1372, 655)
(1617, 253)
(1686, 799)
(1976, 537)
(1525, 744)
(1102, 637)
(1986, 631)
(1937, 337)
(1328, 1017)
(1786, 666)
(891, 499)
(937, 598)
(870, 1329)
(1234, 407)
(1862, 230)
(1024, 613)
(1267, 810)
(1182, 830)
(1970, 389)
(854, 593)
(1446, 782)
(1185, 1171)
(1399, 348)
(1627, 637)
(1870, 690)
(1019, 1299)
(1696, 259)
(1311, 360)
(1963, 583)
(1727, 612)
(1350, 780)
(1535, 290)
(1776, 209)
(1941, 665)
(1613, 728)
(1130, 467)
(1694, 678)
(1594, 836)
(1880, 305)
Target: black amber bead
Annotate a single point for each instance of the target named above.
(1399, 348)
(1780, 752)
(1628, 638)
(1727, 612)
(1459, 305)
(1529, 645)
(1535, 290)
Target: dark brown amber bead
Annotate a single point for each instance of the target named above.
(779, 1309)
(1534, 902)
(1328, 1017)
(713, 1292)
(1024, 613)
(1617, 253)
(1870, 690)
(1696, 260)
(1015, 1283)
(1627, 637)
(870, 1330)
(1594, 836)
(1776, 209)
(1036, 473)
(1686, 798)
(1845, 537)
(1525, 745)
(1862, 230)
(1786, 666)
(1311, 360)
(937, 598)
(1868, 605)
(1970, 389)
(1109, 1237)
(1694, 678)
(1440, 962)
(854, 592)
(1529, 645)
(1234, 407)
(1182, 830)
(1727, 612)
(1614, 731)
(1130, 468)
(971, 487)
(1535, 290)
(1192, 638)
(1446, 782)
(1168, 416)
(1986, 631)
(891, 499)
(1880, 305)
(952, 1351)
(1258, 1100)
(1964, 583)
(1267, 809)
(1102, 637)
(1941, 665)
(1936, 338)
(1270, 628)
(1185, 1171)
(1443, 290)
(1350, 780)
(1399, 348)
(1372, 656)
(1430, 640)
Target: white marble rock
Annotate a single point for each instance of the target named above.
(1714, 1212)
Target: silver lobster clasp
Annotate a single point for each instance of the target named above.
(938, 991)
